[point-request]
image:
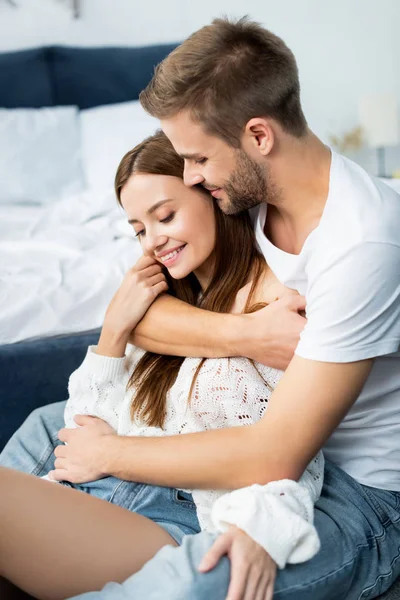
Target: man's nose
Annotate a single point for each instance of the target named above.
(191, 175)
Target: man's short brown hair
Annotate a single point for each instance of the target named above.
(225, 74)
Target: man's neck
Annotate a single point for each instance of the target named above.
(301, 171)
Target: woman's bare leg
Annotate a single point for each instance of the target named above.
(56, 542)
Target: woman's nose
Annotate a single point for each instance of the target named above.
(155, 242)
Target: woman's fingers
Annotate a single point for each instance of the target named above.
(218, 549)
(265, 588)
(159, 288)
(144, 261)
(270, 591)
(149, 271)
(156, 279)
(237, 585)
(254, 576)
(158, 284)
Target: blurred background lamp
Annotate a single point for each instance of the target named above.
(379, 120)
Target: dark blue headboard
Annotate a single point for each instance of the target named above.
(84, 77)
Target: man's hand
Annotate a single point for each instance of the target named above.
(253, 571)
(270, 335)
(81, 460)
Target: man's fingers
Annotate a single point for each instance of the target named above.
(84, 419)
(60, 463)
(297, 302)
(217, 550)
(58, 475)
(60, 451)
(63, 434)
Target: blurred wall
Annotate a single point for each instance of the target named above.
(344, 48)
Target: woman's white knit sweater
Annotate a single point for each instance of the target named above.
(228, 392)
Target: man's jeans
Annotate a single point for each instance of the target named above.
(359, 529)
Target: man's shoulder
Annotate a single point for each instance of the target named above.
(360, 209)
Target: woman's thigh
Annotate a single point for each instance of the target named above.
(56, 542)
(172, 509)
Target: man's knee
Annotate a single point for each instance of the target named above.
(173, 574)
(32, 444)
(51, 413)
(48, 419)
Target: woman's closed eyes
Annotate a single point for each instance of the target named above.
(167, 219)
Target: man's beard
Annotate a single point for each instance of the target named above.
(250, 185)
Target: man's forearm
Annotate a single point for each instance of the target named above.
(306, 407)
(220, 459)
(173, 327)
(269, 336)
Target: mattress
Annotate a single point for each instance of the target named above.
(60, 266)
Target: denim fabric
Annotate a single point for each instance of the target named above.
(359, 559)
(359, 527)
(31, 450)
(172, 509)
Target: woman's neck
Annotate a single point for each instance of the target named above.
(204, 272)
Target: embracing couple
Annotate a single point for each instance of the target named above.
(212, 469)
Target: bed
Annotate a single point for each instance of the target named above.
(64, 242)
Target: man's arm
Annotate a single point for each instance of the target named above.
(270, 336)
(353, 311)
(304, 410)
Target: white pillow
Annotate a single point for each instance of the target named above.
(108, 132)
(40, 158)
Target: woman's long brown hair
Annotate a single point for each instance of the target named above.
(155, 374)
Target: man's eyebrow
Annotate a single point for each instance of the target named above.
(152, 209)
(193, 156)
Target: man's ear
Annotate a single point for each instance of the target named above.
(259, 135)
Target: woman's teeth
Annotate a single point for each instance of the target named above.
(171, 254)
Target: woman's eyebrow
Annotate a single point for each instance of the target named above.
(152, 209)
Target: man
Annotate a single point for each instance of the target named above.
(229, 101)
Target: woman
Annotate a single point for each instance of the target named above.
(138, 394)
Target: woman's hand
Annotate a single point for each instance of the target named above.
(140, 287)
(81, 459)
(253, 571)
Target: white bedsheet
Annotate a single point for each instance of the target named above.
(61, 265)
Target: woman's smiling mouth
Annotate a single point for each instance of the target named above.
(169, 258)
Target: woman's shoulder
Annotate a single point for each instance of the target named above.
(268, 290)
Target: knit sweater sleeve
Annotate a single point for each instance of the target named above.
(98, 387)
(279, 516)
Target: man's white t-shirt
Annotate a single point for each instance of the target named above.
(349, 272)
